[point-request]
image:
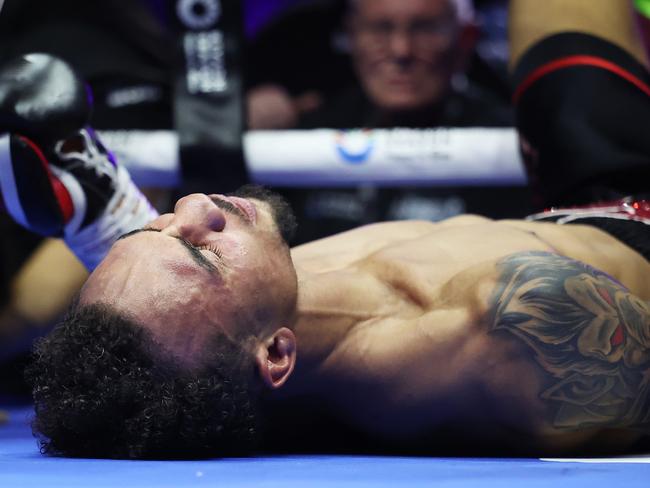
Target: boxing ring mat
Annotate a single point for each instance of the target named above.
(22, 466)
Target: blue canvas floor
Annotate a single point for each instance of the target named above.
(21, 465)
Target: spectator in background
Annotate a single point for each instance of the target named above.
(407, 69)
(405, 53)
(408, 58)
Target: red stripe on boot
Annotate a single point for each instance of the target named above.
(61, 193)
(571, 61)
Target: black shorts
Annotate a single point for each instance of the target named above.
(633, 233)
(583, 115)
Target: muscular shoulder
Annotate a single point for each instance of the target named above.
(583, 342)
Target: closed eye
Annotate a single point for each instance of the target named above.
(213, 249)
(195, 252)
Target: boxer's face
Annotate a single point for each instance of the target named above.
(216, 264)
(404, 51)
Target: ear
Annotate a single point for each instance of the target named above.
(276, 357)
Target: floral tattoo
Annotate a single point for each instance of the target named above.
(587, 332)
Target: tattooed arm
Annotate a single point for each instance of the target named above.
(589, 335)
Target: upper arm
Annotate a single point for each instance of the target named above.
(531, 21)
(587, 334)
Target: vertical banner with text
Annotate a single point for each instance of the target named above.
(208, 94)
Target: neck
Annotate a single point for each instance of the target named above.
(323, 320)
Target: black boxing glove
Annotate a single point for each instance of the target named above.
(56, 177)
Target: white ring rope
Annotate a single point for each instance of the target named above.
(324, 157)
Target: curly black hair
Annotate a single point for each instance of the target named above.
(104, 388)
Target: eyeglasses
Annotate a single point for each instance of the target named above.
(422, 33)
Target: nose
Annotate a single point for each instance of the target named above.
(401, 44)
(195, 216)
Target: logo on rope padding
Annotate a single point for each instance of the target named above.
(198, 14)
(354, 146)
